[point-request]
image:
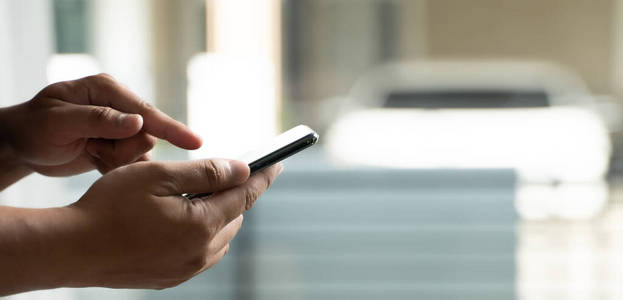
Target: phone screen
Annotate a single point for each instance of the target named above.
(278, 149)
(281, 147)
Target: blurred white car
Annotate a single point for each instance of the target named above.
(532, 117)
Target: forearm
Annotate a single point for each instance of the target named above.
(11, 168)
(37, 249)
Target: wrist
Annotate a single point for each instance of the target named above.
(11, 166)
(40, 249)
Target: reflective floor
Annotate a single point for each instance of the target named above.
(571, 259)
(327, 233)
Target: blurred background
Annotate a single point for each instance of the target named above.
(468, 150)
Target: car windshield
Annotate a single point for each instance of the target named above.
(466, 99)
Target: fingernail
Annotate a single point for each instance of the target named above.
(130, 121)
(237, 167)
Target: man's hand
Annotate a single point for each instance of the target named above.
(132, 229)
(74, 126)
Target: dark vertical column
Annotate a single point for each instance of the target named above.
(389, 20)
(70, 26)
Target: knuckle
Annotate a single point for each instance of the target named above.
(105, 75)
(100, 114)
(251, 195)
(98, 83)
(99, 79)
(102, 77)
(213, 172)
(144, 105)
(160, 173)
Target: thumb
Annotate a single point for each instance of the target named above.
(91, 121)
(197, 176)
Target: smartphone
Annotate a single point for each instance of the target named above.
(280, 148)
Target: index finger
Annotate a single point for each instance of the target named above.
(103, 90)
(223, 207)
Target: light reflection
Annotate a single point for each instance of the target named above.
(230, 103)
(571, 259)
(63, 67)
(541, 144)
(562, 201)
(560, 154)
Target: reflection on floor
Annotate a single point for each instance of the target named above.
(572, 259)
(567, 201)
(379, 234)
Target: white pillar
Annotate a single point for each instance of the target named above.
(122, 41)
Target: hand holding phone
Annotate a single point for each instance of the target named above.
(280, 148)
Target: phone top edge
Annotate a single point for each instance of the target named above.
(280, 141)
(284, 152)
(305, 141)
